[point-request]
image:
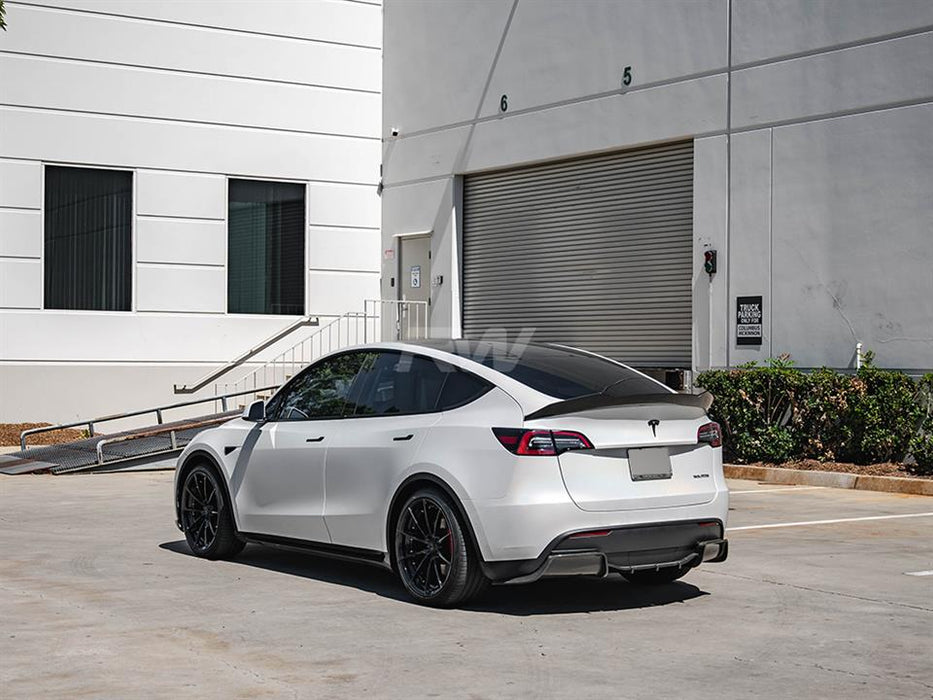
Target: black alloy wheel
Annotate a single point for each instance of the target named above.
(432, 554)
(205, 519)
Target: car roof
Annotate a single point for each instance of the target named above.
(468, 354)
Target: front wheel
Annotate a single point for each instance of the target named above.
(433, 555)
(205, 516)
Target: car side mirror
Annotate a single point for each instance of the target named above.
(255, 412)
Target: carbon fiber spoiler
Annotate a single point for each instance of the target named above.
(591, 401)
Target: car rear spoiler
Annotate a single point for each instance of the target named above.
(591, 401)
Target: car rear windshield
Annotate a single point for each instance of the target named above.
(559, 372)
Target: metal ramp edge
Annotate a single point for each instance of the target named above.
(106, 450)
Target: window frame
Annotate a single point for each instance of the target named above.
(43, 215)
(487, 386)
(306, 295)
(294, 380)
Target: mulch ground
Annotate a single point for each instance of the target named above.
(9, 434)
(882, 469)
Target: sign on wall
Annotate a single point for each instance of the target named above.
(749, 320)
(415, 276)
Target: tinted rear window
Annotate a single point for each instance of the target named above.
(564, 374)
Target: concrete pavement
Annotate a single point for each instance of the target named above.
(99, 597)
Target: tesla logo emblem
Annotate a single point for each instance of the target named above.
(654, 423)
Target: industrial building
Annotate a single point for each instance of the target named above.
(574, 167)
(679, 184)
(178, 181)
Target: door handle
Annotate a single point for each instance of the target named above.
(317, 439)
(403, 437)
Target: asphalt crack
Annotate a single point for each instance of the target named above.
(853, 674)
(811, 589)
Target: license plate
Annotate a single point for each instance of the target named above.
(649, 463)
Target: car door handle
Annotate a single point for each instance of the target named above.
(403, 437)
(317, 439)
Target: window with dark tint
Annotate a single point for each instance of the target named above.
(88, 239)
(398, 383)
(320, 391)
(558, 372)
(266, 248)
(461, 388)
(401, 383)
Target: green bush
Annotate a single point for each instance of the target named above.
(777, 413)
(921, 446)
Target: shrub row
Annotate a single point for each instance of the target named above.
(778, 413)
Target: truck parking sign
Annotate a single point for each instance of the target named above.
(749, 320)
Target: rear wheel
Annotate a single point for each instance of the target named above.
(652, 577)
(205, 516)
(434, 557)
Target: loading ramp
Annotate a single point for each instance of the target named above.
(124, 448)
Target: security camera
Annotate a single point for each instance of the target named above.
(394, 131)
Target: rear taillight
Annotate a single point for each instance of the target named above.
(541, 442)
(710, 434)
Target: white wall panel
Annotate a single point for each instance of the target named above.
(765, 28)
(181, 241)
(344, 248)
(596, 40)
(166, 145)
(335, 293)
(866, 76)
(20, 284)
(332, 204)
(140, 92)
(326, 20)
(749, 259)
(116, 336)
(20, 184)
(440, 60)
(180, 194)
(180, 288)
(20, 233)
(53, 32)
(710, 296)
(853, 253)
(643, 117)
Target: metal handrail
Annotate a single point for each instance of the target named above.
(380, 319)
(240, 359)
(153, 433)
(131, 414)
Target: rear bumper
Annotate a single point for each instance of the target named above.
(620, 549)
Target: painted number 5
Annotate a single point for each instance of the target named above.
(626, 76)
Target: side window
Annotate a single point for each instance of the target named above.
(322, 390)
(399, 383)
(460, 389)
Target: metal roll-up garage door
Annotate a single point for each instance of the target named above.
(595, 252)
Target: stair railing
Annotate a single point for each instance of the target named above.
(381, 320)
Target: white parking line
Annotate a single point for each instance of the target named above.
(919, 573)
(784, 489)
(829, 522)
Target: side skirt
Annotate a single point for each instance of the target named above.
(326, 549)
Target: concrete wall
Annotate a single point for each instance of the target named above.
(185, 95)
(812, 147)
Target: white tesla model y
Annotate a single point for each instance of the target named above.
(458, 463)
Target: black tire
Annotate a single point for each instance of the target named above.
(206, 518)
(652, 577)
(433, 554)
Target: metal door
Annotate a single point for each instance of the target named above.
(414, 285)
(595, 252)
